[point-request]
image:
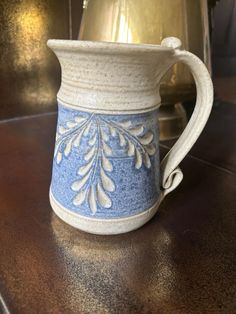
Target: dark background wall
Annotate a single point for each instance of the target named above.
(29, 72)
(224, 38)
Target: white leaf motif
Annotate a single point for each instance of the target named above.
(87, 129)
(122, 140)
(78, 139)
(80, 198)
(146, 139)
(77, 185)
(92, 200)
(84, 169)
(79, 119)
(102, 197)
(131, 149)
(151, 149)
(68, 147)
(106, 164)
(107, 183)
(92, 141)
(137, 130)
(104, 136)
(107, 149)
(95, 182)
(90, 153)
(113, 131)
(125, 124)
(71, 124)
(59, 157)
(61, 130)
(138, 161)
(147, 161)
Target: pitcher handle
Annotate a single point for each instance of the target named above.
(171, 174)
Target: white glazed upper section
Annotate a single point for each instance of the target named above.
(111, 77)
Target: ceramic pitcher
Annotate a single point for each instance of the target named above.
(107, 177)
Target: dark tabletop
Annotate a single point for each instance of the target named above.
(182, 261)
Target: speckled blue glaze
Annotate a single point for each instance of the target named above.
(134, 188)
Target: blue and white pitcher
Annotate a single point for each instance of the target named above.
(107, 178)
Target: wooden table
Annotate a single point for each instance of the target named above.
(182, 261)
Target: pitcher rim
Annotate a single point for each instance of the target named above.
(104, 46)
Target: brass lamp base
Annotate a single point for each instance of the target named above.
(172, 121)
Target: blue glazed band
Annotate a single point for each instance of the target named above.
(106, 166)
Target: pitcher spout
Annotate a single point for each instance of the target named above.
(113, 77)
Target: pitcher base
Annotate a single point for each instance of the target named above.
(102, 226)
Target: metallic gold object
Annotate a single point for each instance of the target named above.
(149, 21)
